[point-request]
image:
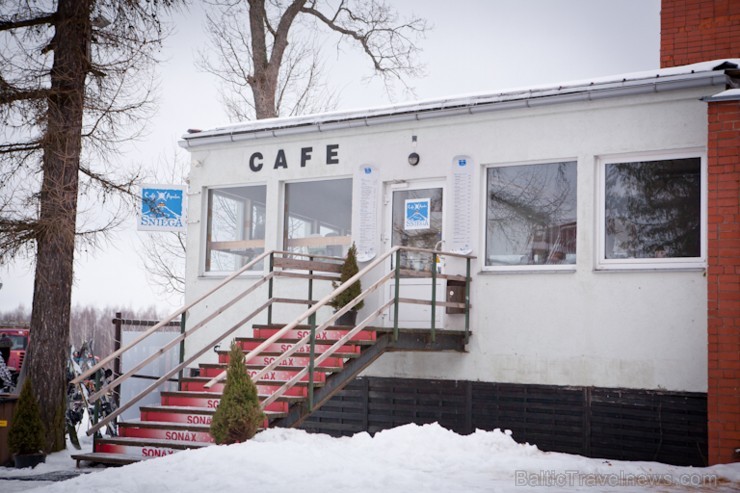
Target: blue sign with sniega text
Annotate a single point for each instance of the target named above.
(417, 214)
(162, 208)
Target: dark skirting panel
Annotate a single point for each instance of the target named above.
(626, 424)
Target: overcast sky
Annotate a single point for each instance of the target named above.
(475, 46)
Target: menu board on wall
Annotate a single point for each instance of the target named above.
(366, 238)
(462, 203)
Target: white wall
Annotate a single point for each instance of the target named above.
(637, 329)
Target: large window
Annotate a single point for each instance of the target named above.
(652, 212)
(531, 215)
(318, 217)
(236, 227)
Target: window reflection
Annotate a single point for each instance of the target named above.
(236, 227)
(318, 217)
(652, 209)
(531, 214)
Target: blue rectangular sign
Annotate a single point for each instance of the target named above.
(162, 208)
(416, 215)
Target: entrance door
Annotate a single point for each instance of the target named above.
(415, 213)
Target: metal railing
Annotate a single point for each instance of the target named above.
(288, 260)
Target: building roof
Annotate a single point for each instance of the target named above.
(714, 72)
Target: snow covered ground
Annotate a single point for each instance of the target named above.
(406, 459)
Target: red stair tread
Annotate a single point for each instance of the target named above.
(218, 395)
(337, 354)
(271, 382)
(164, 424)
(282, 345)
(331, 333)
(198, 410)
(180, 409)
(292, 369)
(319, 342)
(327, 369)
(155, 442)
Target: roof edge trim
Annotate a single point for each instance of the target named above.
(505, 101)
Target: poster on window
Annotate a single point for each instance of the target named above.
(417, 214)
(162, 208)
(369, 179)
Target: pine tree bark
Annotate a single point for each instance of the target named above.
(55, 239)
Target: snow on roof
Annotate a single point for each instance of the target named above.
(528, 96)
(728, 95)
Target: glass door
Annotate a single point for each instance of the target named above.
(415, 219)
(417, 222)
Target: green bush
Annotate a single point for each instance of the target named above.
(26, 433)
(239, 415)
(349, 269)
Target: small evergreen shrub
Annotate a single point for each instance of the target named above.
(26, 433)
(239, 415)
(349, 269)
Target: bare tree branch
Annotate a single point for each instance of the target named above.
(276, 56)
(37, 19)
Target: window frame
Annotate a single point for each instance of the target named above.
(203, 261)
(526, 268)
(669, 263)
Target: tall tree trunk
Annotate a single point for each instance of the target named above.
(57, 216)
(266, 66)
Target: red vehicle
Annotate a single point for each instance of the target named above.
(19, 339)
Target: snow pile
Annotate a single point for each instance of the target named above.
(406, 459)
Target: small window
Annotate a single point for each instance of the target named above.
(531, 215)
(318, 217)
(236, 227)
(652, 212)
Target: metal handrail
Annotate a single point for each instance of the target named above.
(326, 354)
(110, 417)
(85, 375)
(308, 314)
(321, 303)
(317, 330)
(182, 337)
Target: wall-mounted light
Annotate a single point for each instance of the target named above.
(413, 159)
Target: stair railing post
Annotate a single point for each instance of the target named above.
(397, 294)
(467, 300)
(117, 322)
(181, 374)
(434, 294)
(312, 324)
(310, 282)
(269, 288)
(312, 342)
(96, 412)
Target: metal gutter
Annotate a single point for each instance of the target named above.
(456, 106)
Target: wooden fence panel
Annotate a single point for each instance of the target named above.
(624, 424)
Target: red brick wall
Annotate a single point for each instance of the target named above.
(694, 31)
(723, 278)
